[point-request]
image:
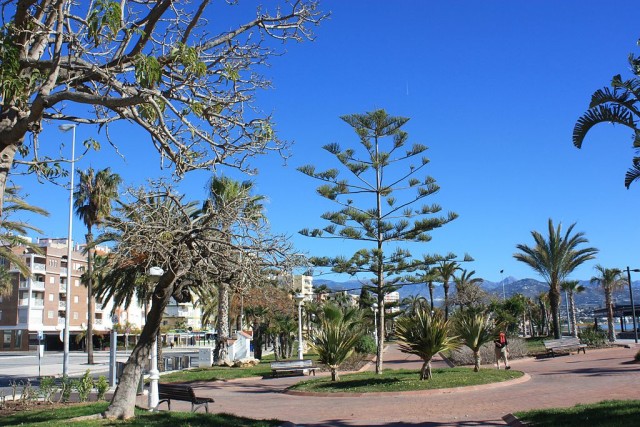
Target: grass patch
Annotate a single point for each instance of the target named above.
(609, 413)
(60, 417)
(535, 346)
(216, 373)
(405, 380)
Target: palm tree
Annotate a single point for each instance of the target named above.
(609, 279)
(554, 258)
(475, 329)
(572, 287)
(338, 333)
(93, 197)
(10, 236)
(413, 303)
(618, 104)
(224, 194)
(445, 270)
(468, 291)
(425, 335)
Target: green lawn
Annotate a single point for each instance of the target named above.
(60, 417)
(405, 380)
(534, 345)
(609, 413)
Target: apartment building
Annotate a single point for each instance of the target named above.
(304, 285)
(39, 302)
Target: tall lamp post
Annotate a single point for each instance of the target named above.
(504, 295)
(633, 307)
(67, 310)
(299, 300)
(374, 307)
(154, 275)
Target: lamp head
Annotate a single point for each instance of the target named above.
(66, 128)
(155, 273)
(299, 297)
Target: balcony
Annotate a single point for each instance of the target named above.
(99, 307)
(63, 271)
(62, 305)
(24, 284)
(61, 321)
(97, 322)
(38, 267)
(37, 303)
(23, 302)
(37, 285)
(63, 288)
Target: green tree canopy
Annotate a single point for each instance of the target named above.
(381, 204)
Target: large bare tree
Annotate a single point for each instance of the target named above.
(157, 228)
(162, 66)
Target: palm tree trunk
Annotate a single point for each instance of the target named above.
(8, 151)
(609, 303)
(334, 374)
(446, 301)
(124, 399)
(572, 309)
(223, 321)
(476, 358)
(90, 315)
(431, 295)
(554, 301)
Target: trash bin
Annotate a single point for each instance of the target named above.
(205, 357)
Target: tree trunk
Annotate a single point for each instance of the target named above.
(609, 303)
(572, 309)
(223, 322)
(257, 340)
(334, 374)
(476, 358)
(554, 301)
(90, 315)
(446, 301)
(7, 154)
(124, 399)
(431, 295)
(380, 333)
(425, 371)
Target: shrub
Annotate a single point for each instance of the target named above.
(637, 358)
(48, 388)
(593, 337)
(366, 345)
(84, 386)
(102, 385)
(464, 355)
(65, 392)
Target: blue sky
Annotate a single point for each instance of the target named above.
(492, 88)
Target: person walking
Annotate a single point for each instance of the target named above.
(502, 350)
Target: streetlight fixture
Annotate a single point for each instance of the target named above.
(633, 307)
(154, 275)
(504, 295)
(374, 307)
(67, 310)
(299, 298)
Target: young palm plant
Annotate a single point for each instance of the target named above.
(336, 337)
(610, 279)
(474, 329)
(425, 334)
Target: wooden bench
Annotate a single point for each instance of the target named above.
(564, 344)
(293, 366)
(169, 392)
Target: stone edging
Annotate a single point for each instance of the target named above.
(524, 378)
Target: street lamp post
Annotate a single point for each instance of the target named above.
(633, 307)
(374, 307)
(154, 275)
(299, 300)
(113, 351)
(67, 311)
(504, 295)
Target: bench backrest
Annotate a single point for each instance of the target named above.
(562, 341)
(292, 364)
(176, 391)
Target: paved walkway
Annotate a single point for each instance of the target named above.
(555, 382)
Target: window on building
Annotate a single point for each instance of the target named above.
(50, 314)
(6, 342)
(75, 315)
(52, 280)
(0, 314)
(18, 343)
(50, 297)
(75, 299)
(77, 282)
(53, 262)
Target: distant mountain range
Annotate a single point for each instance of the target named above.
(593, 295)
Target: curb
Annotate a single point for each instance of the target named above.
(524, 378)
(513, 421)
